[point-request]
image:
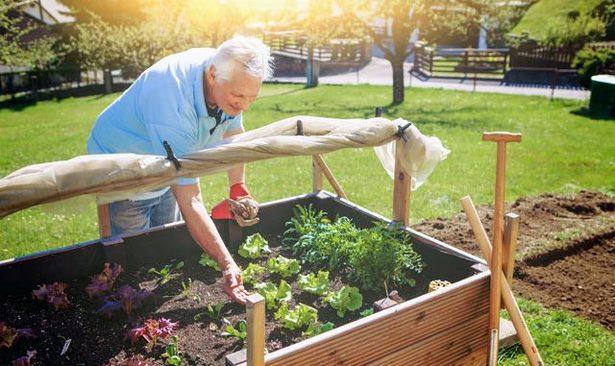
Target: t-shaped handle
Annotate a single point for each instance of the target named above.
(501, 136)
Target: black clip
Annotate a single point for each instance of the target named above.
(378, 112)
(299, 128)
(171, 156)
(401, 130)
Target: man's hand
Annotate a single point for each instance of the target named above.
(233, 285)
(240, 206)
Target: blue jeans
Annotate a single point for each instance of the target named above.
(130, 216)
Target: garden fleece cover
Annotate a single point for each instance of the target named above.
(119, 176)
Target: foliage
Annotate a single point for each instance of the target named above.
(207, 261)
(212, 312)
(254, 246)
(283, 266)
(346, 299)
(367, 312)
(241, 332)
(166, 273)
(104, 281)
(300, 316)
(172, 354)
(317, 328)
(251, 274)
(575, 30)
(9, 335)
(152, 331)
(590, 62)
(25, 360)
(53, 294)
(315, 284)
(125, 298)
(274, 294)
(187, 290)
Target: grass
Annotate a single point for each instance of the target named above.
(562, 152)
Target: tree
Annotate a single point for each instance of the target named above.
(115, 12)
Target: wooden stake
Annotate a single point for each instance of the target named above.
(509, 245)
(523, 332)
(316, 176)
(104, 222)
(401, 190)
(255, 308)
(325, 169)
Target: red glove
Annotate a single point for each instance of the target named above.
(223, 209)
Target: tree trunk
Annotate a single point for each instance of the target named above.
(398, 82)
(108, 80)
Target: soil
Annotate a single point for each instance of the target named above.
(565, 253)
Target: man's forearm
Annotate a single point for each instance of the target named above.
(237, 173)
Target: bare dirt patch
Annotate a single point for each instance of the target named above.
(566, 250)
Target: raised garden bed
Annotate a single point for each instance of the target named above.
(442, 327)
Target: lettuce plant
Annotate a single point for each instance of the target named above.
(302, 315)
(53, 294)
(315, 284)
(283, 266)
(125, 298)
(24, 360)
(9, 335)
(347, 298)
(252, 272)
(103, 282)
(241, 332)
(317, 328)
(254, 246)
(152, 331)
(207, 261)
(165, 273)
(274, 294)
(171, 354)
(212, 312)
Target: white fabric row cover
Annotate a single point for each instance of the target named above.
(119, 176)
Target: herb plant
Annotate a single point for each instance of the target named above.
(103, 282)
(252, 273)
(152, 331)
(347, 298)
(171, 354)
(274, 294)
(53, 294)
(315, 284)
(254, 246)
(240, 333)
(302, 315)
(165, 273)
(207, 261)
(283, 266)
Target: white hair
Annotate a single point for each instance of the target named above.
(250, 54)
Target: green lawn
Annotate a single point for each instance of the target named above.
(561, 152)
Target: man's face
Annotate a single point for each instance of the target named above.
(235, 95)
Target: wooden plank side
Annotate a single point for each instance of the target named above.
(372, 338)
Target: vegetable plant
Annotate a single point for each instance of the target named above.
(301, 315)
(317, 328)
(283, 266)
(254, 246)
(171, 354)
(241, 332)
(152, 331)
(207, 261)
(53, 294)
(274, 294)
(25, 360)
(104, 281)
(315, 284)
(252, 272)
(347, 298)
(165, 273)
(125, 298)
(9, 335)
(187, 290)
(212, 312)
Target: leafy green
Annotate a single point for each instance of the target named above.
(315, 284)
(172, 354)
(207, 261)
(299, 317)
(317, 328)
(283, 266)
(241, 332)
(165, 273)
(254, 246)
(274, 294)
(251, 273)
(212, 312)
(348, 298)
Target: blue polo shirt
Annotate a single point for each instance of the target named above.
(166, 102)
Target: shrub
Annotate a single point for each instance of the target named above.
(590, 62)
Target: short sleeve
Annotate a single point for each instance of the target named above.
(235, 122)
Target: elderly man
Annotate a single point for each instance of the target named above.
(191, 100)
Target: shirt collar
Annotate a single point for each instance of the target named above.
(199, 93)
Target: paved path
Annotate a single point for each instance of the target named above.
(378, 72)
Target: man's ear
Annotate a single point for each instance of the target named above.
(211, 73)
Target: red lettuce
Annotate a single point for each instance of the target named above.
(53, 294)
(103, 282)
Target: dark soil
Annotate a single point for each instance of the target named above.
(566, 250)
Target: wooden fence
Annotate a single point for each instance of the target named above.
(540, 57)
(460, 62)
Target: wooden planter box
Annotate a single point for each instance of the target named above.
(448, 326)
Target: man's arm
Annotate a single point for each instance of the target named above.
(237, 173)
(204, 232)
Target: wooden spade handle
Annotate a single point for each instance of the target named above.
(501, 136)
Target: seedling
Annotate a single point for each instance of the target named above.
(315, 284)
(165, 273)
(274, 294)
(53, 294)
(9, 335)
(125, 298)
(187, 290)
(172, 352)
(212, 312)
(241, 332)
(207, 261)
(283, 266)
(252, 273)
(317, 328)
(254, 246)
(348, 298)
(152, 331)
(103, 282)
(299, 317)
